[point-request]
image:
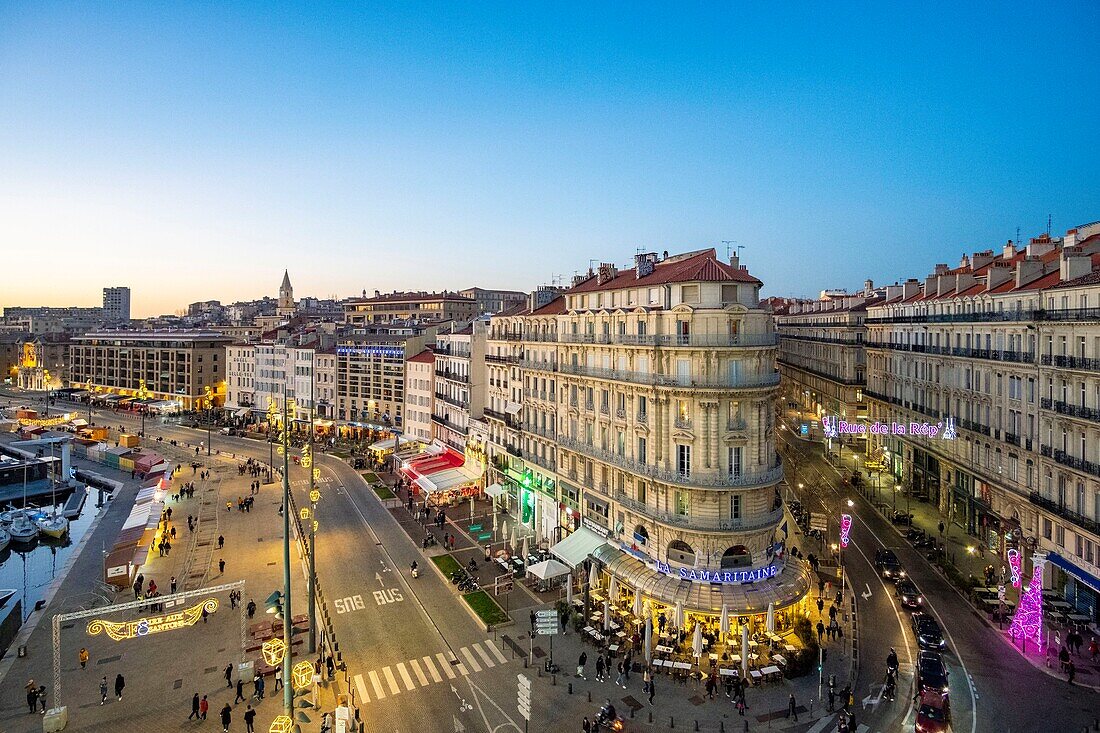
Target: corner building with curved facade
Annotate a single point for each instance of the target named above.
(646, 445)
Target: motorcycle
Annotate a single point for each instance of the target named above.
(415, 571)
(428, 541)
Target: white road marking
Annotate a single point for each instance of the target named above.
(362, 687)
(376, 683)
(500, 657)
(446, 666)
(391, 680)
(406, 677)
(485, 655)
(470, 658)
(418, 672)
(821, 725)
(430, 665)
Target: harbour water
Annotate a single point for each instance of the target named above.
(29, 568)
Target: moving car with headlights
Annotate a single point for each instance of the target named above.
(888, 565)
(933, 714)
(931, 673)
(928, 632)
(908, 594)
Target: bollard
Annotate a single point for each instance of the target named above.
(696, 725)
(746, 726)
(671, 722)
(525, 662)
(570, 688)
(632, 712)
(554, 680)
(540, 671)
(721, 726)
(590, 696)
(651, 717)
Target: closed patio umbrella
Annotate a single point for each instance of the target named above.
(569, 591)
(594, 578)
(512, 542)
(744, 651)
(679, 619)
(771, 618)
(525, 552)
(637, 608)
(607, 615)
(724, 624)
(697, 640)
(649, 639)
(613, 589)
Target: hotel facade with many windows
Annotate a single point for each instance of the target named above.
(1007, 344)
(633, 416)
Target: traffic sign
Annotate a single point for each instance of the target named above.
(503, 584)
(1001, 592)
(819, 521)
(547, 613)
(523, 696)
(547, 629)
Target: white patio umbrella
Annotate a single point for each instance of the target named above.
(771, 618)
(512, 542)
(594, 578)
(525, 552)
(613, 589)
(724, 624)
(679, 619)
(649, 639)
(607, 615)
(697, 640)
(637, 608)
(503, 528)
(744, 651)
(569, 591)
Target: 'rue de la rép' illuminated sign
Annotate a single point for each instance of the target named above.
(703, 575)
(119, 630)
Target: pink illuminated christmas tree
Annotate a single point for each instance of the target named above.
(1027, 622)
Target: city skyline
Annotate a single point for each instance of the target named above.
(389, 148)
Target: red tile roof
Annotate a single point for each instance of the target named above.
(424, 357)
(554, 308)
(702, 266)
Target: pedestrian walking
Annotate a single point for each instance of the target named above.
(278, 678)
(251, 608)
(229, 675)
(249, 719)
(586, 725)
(221, 542)
(621, 680)
(83, 656)
(646, 677)
(820, 606)
(227, 718)
(103, 690)
(42, 697)
(652, 688)
(120, 682)
(240, 692)
(582, 660)
(260, 684)
(204, 707)
(1071, 670)
(820, 631)
(194, 707)
(172, 584)
(599, 668)
(221, 565)
(709, 686)
(832, 699)
(792, 708)
(32, 695)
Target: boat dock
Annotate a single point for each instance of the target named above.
(75, 503)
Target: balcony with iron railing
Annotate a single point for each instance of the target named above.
(822, 339)
(1072, 362)
(744, 381)
(511, 421)
(498, 359)
(453, 376)
(542, 462)
(538, 365)
(672, 340)
(687, 521)
(683, 423)
(440, 420)
(461, 404)
(1073, 462)
(734, 424)
(786, 362)
(713, 478)
(1063, 408)
(1090, 525)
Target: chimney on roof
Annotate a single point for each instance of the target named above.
(644, 264)
(868, 287)
(941, 269)
(1074, 263)
(964, 262)
(981, 259)
(893, 291)
(606, 273)
(963, 281)
(735, 261)
(1009, 250)
(664, 255)
(1040, 246)
(1027, 270)
(910, 288)
(1070, 240)
(377, 293)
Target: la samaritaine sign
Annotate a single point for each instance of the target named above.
(702, 575)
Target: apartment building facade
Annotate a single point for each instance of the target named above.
(494, 301)
(418, 307)
(420, 395)
(183, 366)
(1008, 345)
(370, 375)
(459, 392)
(647, 423)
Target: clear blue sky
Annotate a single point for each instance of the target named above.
(194, 150)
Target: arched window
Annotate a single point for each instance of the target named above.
(641, 533)
(737, 556)
(681, 552)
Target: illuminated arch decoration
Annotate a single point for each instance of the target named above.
(1027, 622)
(120, 630)
(46, 422)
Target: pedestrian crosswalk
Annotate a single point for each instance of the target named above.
(828, 725)
(412, 674)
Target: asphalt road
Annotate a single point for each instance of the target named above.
(992, 688)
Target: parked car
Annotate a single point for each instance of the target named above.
(928, 632)
(934, 713)
(908, 594)
(888, 565)
(931, 673)
(903, 518)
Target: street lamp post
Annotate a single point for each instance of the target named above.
(288, 686)
(313, 496)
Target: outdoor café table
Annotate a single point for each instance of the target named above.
(754, 657)
(753, 645)
(1060, 605)
(588, 629)
(620, 634)
(613, 647)
(1051, 595)
(736, 659)
(773, 637)
(727, 672)
(1077, 618)
(780, 660)
(503, 564)
(772, 670)
(756, 676)
(665, 649)
(681, 665)
(615, 626)
(713, 657)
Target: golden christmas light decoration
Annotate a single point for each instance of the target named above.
(281, 724)
(302, 675)
(274, 650)
(314, 496)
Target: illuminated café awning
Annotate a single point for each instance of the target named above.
(429, 464)
(576, 548)
(449, 479)
(388, 443)
(788, 586)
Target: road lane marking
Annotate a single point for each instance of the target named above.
(419, 672)
(376, 683)
(470, 658)
(362, 687)
(485, 656)
(391, 681)
(821, 725)
(446, 666)
(406, 677)
(432, 670)
(500, 657)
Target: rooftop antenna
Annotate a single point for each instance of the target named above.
(591, 265)
(729, 245)
(1050, 218)
(1017, 236)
